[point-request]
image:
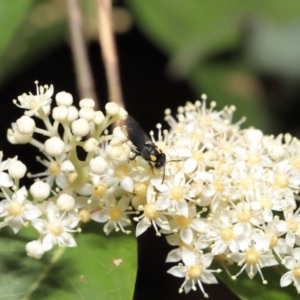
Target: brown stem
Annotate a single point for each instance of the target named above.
(109, 52)
(84, 76)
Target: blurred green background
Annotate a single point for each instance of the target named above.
(242, 53)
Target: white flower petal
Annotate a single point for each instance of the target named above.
(174, 255)
(67, 240)
(127, 184)
(188, 257)
(289, 262)
(186, 235)
(141, 227)
(285, 279)
(100, 216)
(31, 212)
(48, 242)
(296, 254)
(177, 271)
(15, 224)
(40, 225)
(189, 165)
(5, 180)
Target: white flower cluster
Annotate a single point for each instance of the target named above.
(227, 193)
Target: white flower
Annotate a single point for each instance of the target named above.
(224, 236)
(194, 271)
(55, 172)
(17, 209)
(114, 213)
(33, 103)
(5, 179)
(57, 229)
(255, 257)
(290, 226)
(152, 215)
(174, 194)
(186, 226)
(293, 264)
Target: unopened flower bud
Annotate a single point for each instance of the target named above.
(80, 127)
(25, 125)
(54, 146)
(65, 202)
(35, 249)
(17, 169)
(40, 190)
(90, 145)
(99, 117)
(73, 113)
(98, 165)
(112, 108)
(118, 133)
(60, 113)
(87, 102)
(64, 98)
(123, 114)
(87, 113)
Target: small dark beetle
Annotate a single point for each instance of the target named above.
(143, 146)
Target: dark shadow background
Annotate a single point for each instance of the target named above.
(147, 92)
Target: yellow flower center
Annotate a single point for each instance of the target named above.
(14, 208)
(205, 121)
(84, 215)
(195, 272)
(54, 168)
(150, 211)
(274, 239)
(140, 188)
(266, 202)
(100, 190)
(248, 182)
(253, 158)
(121, 171)
(197, 156)
(296, 270)
(183, 221)
(252, 257)
(282, 181)
(292, 224)
(176, 192)
(218, 184)
(56, 227)
(226, 234)
(244, 215)
(115, 214)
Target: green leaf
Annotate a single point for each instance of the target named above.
(11, 15)
(88, 271)
(194, 32)
(40, 30)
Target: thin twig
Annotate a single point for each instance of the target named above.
(84, 76)
(109, 52)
